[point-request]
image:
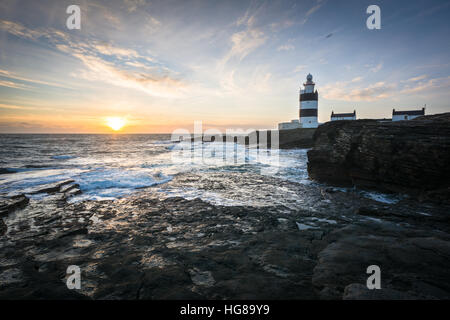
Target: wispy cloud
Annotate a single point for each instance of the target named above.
(346, 92)
(419, 86)
(111, 71)
(300, 68)
(245, 41)
(132, 5)
(17, 107)
(286, 47)
(152, 84)
(14, 76)
(318, 4)
(10, 84)
(418, 78)
(377, 67)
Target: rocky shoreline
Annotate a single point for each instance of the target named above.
(146, 247)
(410, 157)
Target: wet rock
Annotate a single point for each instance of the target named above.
(51, 187)
(8, 205)
(296, 138)
(3, 227)
(71, 192)
(405, 156)
(146, 247)
(69, 186)
(357, 291)
(74, 232)
(201, 278)
(405, 262)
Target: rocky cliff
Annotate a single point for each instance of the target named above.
(410, 157)
(296, 138)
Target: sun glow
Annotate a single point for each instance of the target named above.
(115, 123)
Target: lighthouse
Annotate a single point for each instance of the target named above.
(308, 104)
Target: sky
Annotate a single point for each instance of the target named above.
(161, 65)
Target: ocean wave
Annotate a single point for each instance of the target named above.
(110, 184)
(382, 197)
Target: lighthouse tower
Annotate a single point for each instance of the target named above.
(308, 104)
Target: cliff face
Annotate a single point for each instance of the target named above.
(296, 138)
(405, 156)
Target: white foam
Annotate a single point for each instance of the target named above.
(381, 197)
(324, 220)
(302, 226)
(110, 184)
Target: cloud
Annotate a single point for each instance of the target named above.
(418, 78)
(147, 79)
(420, 86)
(18, 30)
(347, 92)
(132, 5)
(14, 76)
(286, 47)
(108, 49)
(152, 84)
(377, 67)
(245, 42)
(10, 84)
(21, 31)
(300, 68)
(317, 6)
(17, 107)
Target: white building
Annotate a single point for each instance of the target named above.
(294, 124)
(343, 116)
(407, 115)
(308, 104)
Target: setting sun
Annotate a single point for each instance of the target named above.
(115, 123)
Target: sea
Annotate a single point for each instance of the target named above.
(113, 166)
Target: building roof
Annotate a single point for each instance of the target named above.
(409, 112)
(342, 115)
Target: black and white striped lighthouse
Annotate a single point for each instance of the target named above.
(308, 104)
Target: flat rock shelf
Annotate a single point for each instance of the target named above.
(146, 247)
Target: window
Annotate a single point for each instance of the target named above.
(406, 117)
